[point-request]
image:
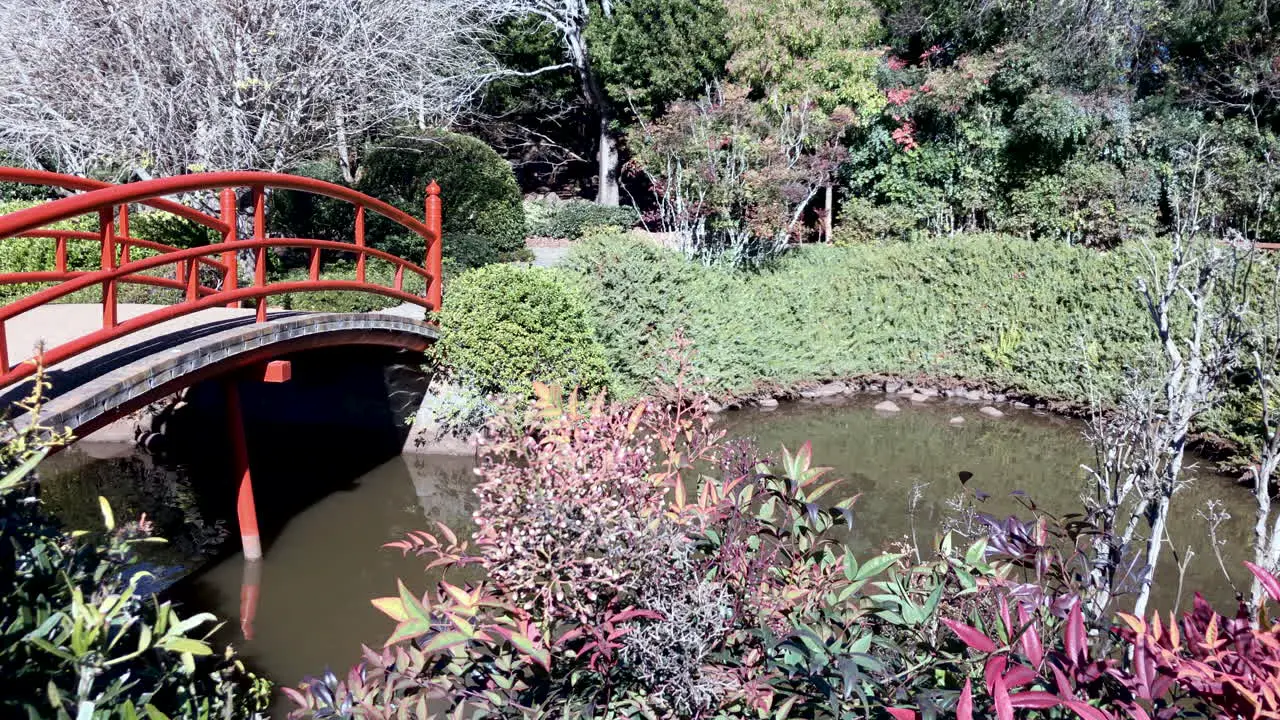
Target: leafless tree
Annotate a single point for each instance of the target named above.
(1194, 296)
(1266, 370)
(152, 87)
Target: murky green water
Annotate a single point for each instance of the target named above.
(306, 605)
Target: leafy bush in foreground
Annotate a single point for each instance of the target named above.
(636, 564)
(79, 636)
(503, 328)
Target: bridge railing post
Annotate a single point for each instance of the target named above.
(434, 222)
(106, 231)
(260, 257)
(227, 202)
(124, 234)
(360, 259)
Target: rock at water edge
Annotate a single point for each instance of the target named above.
(957, 420)
(886, 406)
(918, 398)
(990, 411)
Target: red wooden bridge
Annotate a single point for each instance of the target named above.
(105, 358)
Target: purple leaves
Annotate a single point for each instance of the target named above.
(1268, 580)
(1075, 637)
(971, 636)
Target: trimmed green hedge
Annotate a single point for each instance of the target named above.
(503, 327)
(982, 307)
(571, 219)
(36, 254)
(377, 271)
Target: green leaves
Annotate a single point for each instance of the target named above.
(413, 616)
(876, 565)
(505, 327)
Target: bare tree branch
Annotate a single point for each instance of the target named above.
(155, 87)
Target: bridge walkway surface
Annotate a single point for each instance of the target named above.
(143, 365)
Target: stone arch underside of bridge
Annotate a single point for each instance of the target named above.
(93, 389)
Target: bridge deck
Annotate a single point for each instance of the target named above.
(127, 367)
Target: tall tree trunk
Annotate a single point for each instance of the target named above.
(1154, 543)
(828, 214)
(607, 192)
(608, 157)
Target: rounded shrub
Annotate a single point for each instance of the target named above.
(504, 327)
(484, 218)
(572, 219)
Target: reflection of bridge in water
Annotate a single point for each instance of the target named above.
(106, 359)
(329, 561)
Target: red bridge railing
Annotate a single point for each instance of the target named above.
(180, 269)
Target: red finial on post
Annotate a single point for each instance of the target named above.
(434, 221)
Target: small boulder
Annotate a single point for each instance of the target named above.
(928, 391)
(1021, 405)
(957, 420)
(990, 411)
(714, 407)
(892, 387)
(886, 406)
(919, 397)
(767, 403)
(825, 390)
(974, 395)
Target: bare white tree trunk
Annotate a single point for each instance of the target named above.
(828, 214)
(608, 193)
(1195, 300)
(1266, 368)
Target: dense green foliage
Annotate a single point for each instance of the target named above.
(981, 307)
(824, 51)
(504, 327)
(483, 215)
(1067, 122)
(37, 254)
(163, 227)
(570, 219)
(652, 52)
(40, 254)
(80, 634)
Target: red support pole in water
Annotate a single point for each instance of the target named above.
(250, 582)
(434, 222)
(228, 216)
(106, 231)
(246, 513)
(260, 233)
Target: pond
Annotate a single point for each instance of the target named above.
(306, 605)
